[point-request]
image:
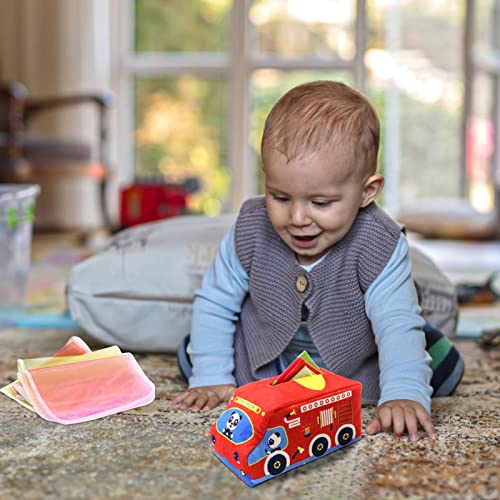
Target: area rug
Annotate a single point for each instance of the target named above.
(162, 452)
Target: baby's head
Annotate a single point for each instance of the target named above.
(325, 115)
(319, 156)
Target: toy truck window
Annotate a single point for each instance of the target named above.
(235, 425)
(274, 440)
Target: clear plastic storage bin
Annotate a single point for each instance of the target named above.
(17, 207)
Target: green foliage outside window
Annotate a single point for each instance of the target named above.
(180, 133)
(182, 25)
(181, 122)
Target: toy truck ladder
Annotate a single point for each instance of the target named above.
(345, 412)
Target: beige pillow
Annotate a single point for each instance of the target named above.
(449, 218)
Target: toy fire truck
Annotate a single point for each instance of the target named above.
(277, 424)
(150, 200)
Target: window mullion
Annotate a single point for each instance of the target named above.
(243, 182)
(496, 112)
(468, 87)
(174, 64)
(392, 132)
(123, 83)
(496, 155)
(360, 30)
(276, 62)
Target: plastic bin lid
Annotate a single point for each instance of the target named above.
(12, 192)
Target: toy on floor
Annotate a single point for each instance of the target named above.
(277, 424)
(148, 200)
(77, 385)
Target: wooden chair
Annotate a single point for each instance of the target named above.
(23, 154)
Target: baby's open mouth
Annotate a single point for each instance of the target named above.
(304, 238)
(304, 242)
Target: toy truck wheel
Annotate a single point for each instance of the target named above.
(275, 464)
(345, 434)
(319, 445)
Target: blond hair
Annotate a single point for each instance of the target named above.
(325, 114)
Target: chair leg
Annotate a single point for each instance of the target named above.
(103, 189)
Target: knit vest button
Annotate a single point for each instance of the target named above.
(301, 283)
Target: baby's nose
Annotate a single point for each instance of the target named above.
(299, 215)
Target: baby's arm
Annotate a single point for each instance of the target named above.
(215, 312)
(392, 306)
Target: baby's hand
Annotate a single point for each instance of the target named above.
(401, 414)
(203, 398)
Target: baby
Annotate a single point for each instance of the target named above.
(316, 265)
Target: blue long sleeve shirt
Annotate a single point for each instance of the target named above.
(390, 303)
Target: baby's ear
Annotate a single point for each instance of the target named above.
(372, 188)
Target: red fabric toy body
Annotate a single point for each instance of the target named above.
(277, 424)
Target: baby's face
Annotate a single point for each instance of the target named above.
(312, 201)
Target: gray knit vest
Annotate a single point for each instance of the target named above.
(337, 322)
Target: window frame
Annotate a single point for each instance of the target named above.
(486, 61)
(236, 67)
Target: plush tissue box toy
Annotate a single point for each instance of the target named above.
(277, 424)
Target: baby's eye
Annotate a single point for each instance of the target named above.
(281, 199)
(322, 203)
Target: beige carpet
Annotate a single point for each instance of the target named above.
(160, 452)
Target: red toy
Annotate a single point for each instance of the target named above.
(147, 201)
(277, 424)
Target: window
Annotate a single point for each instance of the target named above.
(235, 425)
(414, 60)
(202, 76)
(179, 67)
(482, 132)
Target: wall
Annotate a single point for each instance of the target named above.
(60, 47)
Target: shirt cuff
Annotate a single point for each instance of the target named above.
(203, 381)
(412, 395)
